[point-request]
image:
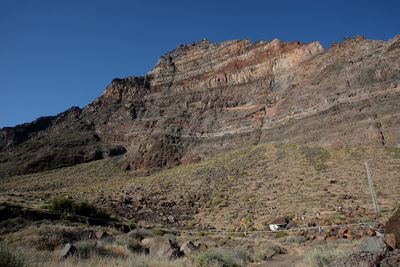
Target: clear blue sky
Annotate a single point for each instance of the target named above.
(56, 54)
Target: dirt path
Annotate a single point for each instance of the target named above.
(294, 257)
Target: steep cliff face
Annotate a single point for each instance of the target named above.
(204, 98)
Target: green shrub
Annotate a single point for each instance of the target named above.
(236, 234)
(294, 239)
(324, 256)
(9, 257)
(42, 230)
(81, 208)
(157, 231)
(220, 257)
(201, 233)
(281, 234)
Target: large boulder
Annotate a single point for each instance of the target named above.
(372, 244)
(189, 247)
(161, 247)
(393, 227)
(390, 240)
(68, 251)
(104, 239)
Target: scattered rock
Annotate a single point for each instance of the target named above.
(137, 248)
(67, 251)
(348, 236)
(344, 230)
(371, 232)
(320, 236)
(188, 248)
(362, 233)
(101, 234)
(370, 259)
(330, 229)
(390, 240)
(104, 239)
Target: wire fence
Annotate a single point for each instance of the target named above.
(297, 229)
(124, 222)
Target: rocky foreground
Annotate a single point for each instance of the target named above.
(205, 98)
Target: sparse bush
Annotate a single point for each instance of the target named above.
(81, 208)
(337, 217)
(236, 234)
(155, 225)
(157, 231)
(9, 257)
(201, 233)
(88, 248)
(294, 239)
(275, 249)
(281, 234)
(19, 220)
(261, 255)
(220, 257)
(324, 256)
(139, 261)
(42, 230)
(133, 221)
(272, 249)
(140, 234)
(189, 224)
(48, 245)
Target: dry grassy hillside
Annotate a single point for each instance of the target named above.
(235, 190)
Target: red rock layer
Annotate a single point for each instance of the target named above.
(204, 98)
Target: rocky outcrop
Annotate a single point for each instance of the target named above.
(205, 98)
(393, 227)
(161, 247)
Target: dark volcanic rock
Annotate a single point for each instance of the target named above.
(364, 258)
(205, 98)
(393, 227)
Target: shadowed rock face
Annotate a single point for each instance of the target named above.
(204, 98)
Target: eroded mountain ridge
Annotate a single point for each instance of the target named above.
(205, 98)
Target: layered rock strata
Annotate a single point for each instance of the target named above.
(204, 98)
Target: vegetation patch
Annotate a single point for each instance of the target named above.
(220, 257)
(49, 245)
(394, 151)
(324, 256)
(10, 257)
(267, 252)
(315, 155)
(294, 239)
(82, 208)
(236, 234)
(281, 234)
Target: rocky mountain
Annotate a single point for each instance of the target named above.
(206, 98)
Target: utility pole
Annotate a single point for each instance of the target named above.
(371, 188)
